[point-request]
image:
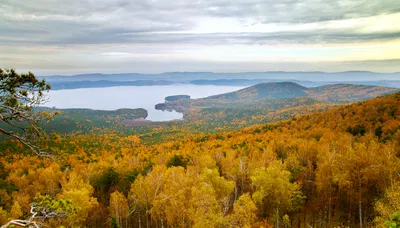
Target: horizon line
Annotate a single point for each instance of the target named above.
(212, 72)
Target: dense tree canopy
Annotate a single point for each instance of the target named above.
(336, 168)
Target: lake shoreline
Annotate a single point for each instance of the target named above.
(132, 97)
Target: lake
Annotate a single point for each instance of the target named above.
(111, 98)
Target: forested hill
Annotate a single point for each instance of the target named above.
(378, 117)
(272, 90)
(348, 92)
(282, 90)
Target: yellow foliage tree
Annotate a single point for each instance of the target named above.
(388, 206)
(119, 207)
(274, 190)
(205, 210)
(79, 192)
(243, 212)
(16, 211)
(3, 216)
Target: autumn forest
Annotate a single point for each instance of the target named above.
(300, 161)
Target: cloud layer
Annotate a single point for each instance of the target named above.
(48, 34)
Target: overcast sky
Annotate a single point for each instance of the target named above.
(152, 36)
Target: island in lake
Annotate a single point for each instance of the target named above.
(178, 103)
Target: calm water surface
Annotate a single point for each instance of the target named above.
(146, 97)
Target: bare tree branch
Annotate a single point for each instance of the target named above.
(24, 223)
(38, 211)
(25, 142)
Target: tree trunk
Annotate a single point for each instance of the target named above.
(277, 217)
(360, 203)
(329, 205)
(299, 218)
(236, 192)
(147, 218)
(350, 209)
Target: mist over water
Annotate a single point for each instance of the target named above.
(112, 98)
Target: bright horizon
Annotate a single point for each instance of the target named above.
(212, 72)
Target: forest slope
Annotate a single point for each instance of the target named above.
(335, 168)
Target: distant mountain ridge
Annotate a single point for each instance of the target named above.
(190, 76)
(307, 79)
(59, 85)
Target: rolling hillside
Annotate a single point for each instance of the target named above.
(283, 90)
(347, 92)
(272, 90)
(269, 96)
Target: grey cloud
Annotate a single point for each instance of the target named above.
(121, 36)
(291, 10)
(68, 18)
(310, 37)
(139, 21)
(305, 11)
